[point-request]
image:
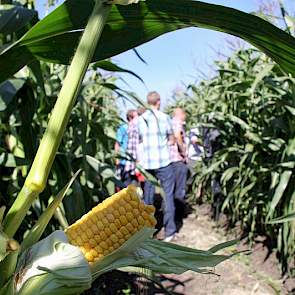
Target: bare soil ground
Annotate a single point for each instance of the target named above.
(246, 274)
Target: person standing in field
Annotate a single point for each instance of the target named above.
(178, 158)
(132, 150)
(156, 134)
(195, 157)
(121, 145)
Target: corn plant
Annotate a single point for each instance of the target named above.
(77, 33)
(251, 102)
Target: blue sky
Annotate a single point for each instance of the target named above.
(176, 58)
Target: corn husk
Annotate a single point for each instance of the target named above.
(52, 266)
(162, 257)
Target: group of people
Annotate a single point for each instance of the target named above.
(158, 144)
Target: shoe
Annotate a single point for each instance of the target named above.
(171, 238)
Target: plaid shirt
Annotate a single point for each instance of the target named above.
(178, 153)
(154, 127)
(132, 147)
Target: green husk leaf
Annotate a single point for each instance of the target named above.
(52, 266)
(142, 251)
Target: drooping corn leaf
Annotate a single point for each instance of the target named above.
(55, 37)
(142, 251)
(107, 65)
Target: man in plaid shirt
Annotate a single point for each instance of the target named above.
(156, 134)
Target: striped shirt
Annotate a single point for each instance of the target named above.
(132, 147)
(154, 128)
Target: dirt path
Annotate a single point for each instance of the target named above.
(239, 276)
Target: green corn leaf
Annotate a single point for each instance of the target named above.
(228, 174)
(282, 219)
(222, 246)
(107, 65)
(36, 232)
(55, 37)
(284, 180)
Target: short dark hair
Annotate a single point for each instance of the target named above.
(130, 115)
(153, 97)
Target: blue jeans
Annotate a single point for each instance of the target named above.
(180, 170)
(167, 179)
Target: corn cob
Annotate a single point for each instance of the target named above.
(111, 223)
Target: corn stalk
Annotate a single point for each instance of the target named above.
(37, 177)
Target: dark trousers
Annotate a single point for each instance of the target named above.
(180, 170)
(167, 179)
(126, 176)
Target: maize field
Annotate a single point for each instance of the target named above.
(251, 102)
(61, 224)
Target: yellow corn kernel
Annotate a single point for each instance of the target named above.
(150, 209)
(130, 227)
(114, 238)
(136, 212)
(92, 242)
(98, 249)
(122, 210)
(113, 228)
(110, 224)
(128, 207)
(103, 245)
(134, 223)
(103, 235)
(123, 220)
(99, 225)
(124, 230)
(110, 217)
(140, 220)
(117, 223)
(108, 231)
(134, 204)
(129, 216)
(116, 214)
(97, 238)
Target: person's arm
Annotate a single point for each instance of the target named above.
(170, 133)
(179, 136)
